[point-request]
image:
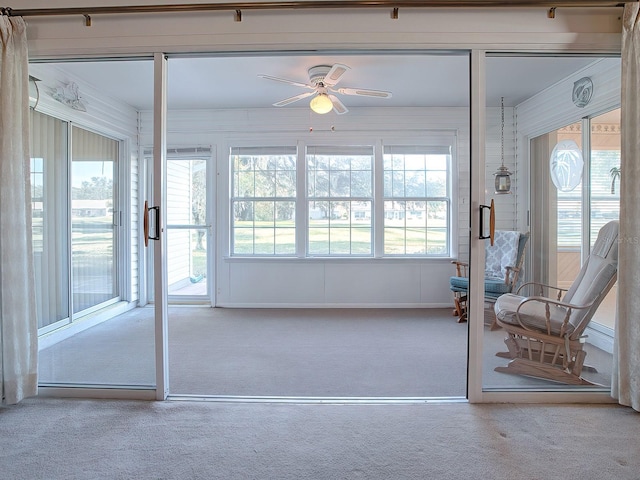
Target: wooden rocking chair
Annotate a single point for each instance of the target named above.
(545, 333)
(503, 262)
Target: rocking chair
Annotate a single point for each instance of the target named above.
(503, 262)
(545, 335)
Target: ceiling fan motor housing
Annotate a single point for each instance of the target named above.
(317, 73)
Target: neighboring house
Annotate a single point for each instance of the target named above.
(90, 208)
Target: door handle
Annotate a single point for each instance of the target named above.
(147, 211)
(492, 222)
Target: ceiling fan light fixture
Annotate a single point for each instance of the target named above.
(321, 104)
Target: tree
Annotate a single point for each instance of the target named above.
(99, 188)
(615, 175)
(199, 200)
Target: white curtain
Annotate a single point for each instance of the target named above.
(18, 328)
(626, 369)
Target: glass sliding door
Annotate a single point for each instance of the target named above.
(564, 156)
(74, 237)
(363, 209)
(86, 227)
(94, 219)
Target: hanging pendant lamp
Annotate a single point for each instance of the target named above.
(503, 175)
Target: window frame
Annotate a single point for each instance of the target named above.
(352, 199)
(377, 140)
(446, 150)
(233, 200)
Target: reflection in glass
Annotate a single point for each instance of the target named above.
(92, 219)
(49, 187)
(565, 205)
(605, 192)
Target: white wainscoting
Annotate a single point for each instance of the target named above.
(334, 283)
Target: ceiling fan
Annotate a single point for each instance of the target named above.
(322, 85)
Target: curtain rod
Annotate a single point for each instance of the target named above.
(310, 4)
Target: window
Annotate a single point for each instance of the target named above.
(416, 200)
(75, 230)
(94, 236)
(263, 200)
(340, 212)
(340, 199)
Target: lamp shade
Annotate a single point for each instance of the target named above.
(321, 104)
(502, 180)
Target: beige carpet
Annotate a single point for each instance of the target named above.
(289, 352)
(91, 439)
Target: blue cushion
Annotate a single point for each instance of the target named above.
(459, 284)
(492, 287)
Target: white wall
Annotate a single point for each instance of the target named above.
(329, 282)
(514, 29)
(335, 282)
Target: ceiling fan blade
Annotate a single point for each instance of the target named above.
(289, 100)
(364, 92)
(290, 82)
(338, 106)
(335, 74)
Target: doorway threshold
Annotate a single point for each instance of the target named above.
(318, 400)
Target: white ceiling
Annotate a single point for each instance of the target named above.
(414, 79)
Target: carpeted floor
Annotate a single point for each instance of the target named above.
(45, 438)
(289, 352)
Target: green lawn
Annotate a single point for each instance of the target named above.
(335, 237)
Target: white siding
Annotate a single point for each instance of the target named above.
(553, 108)
(178, 213)
(134, 224)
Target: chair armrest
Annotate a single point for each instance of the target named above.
(511, 275)
(542, 286)
(461, 268)
(549, 301)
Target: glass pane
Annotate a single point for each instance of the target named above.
(82, 225)
(50, 217)
(559, 183)
(416, 183)
(437, 184)
(264, 225)
(93, 241)
(318, 241)
(186, 191)
(187, 261)
(417, 174)
(605, 192)
(437, 241)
